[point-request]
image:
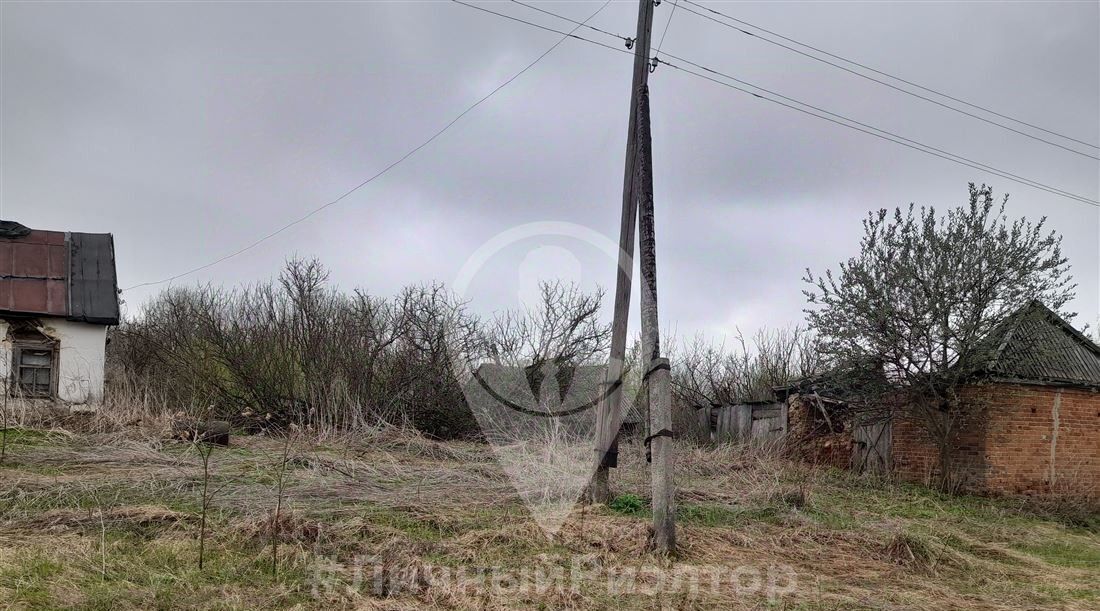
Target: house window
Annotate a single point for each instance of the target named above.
(34, 365)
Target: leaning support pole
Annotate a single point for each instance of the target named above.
(599, 491)
(609, 411)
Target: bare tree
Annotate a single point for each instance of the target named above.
(919, 301)
(707, 374)
(564, 328)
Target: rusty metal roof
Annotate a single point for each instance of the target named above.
(55, 273)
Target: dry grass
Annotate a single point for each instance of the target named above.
(105, 518)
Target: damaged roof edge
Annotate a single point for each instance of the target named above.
(93, 283)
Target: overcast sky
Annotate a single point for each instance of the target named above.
(189, 130)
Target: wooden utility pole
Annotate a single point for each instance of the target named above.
(609, 412)
(638, 207)
(655, 380)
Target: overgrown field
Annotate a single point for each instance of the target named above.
(391, 520)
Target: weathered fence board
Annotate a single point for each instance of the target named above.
(746, 421)
(871, 447)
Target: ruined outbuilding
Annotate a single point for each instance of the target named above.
(1037, 429)
(58, 296)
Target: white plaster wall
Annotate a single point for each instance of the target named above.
(5, 355)
(80, 362)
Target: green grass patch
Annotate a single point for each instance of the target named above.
(419, 527)
(833, 520)
(704, 514)
(158, 574)
(47, 470)
(30, 502)
(1066, 553)
(628, 505)
(1061, 594)
(30, 437)
(727, 516)
(29, 581)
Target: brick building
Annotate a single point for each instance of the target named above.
(1035, 427)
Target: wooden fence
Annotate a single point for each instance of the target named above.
(745, 421)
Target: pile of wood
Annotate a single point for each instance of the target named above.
(215, 432)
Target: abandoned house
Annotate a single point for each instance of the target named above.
(58, 295)
(1036, 430)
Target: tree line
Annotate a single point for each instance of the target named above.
(298, 350)
(904, 325)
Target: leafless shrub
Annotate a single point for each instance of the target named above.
(706, 374)
(298, 351)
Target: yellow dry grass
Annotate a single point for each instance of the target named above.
(109, 520)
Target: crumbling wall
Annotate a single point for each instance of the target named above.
(810, 441)
(1024, 439)
(1019, 439)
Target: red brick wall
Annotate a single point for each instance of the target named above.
(915, 454)
(1005, 448)
(1030, 425)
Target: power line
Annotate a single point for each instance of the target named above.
(890, 85)
(887, 74)
(838, 119)
(569, 34)
(675, 4)
(881, 133)
(583, 24)
(413, 151)
(979, 165)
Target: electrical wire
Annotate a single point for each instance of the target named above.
(570, 34)
(675, 3)
(583, 24)
(880, 133)
(890, 85)
(413, 151)
(826, 115)
(794, 105)
(979, 165)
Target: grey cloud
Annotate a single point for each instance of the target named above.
(189, 130)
